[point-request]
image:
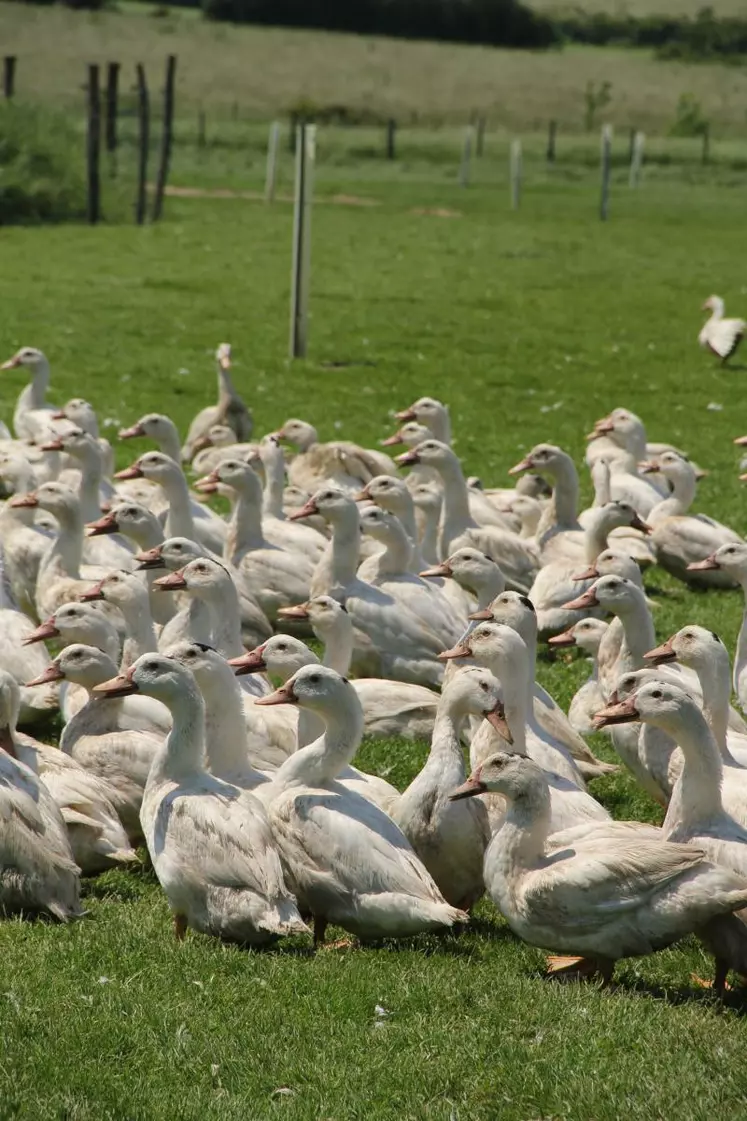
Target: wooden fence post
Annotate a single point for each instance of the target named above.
(636, 159)
(706, 152)
(9, 75)
(606, 159)
(166, 136)
(391, 135)
(143, 115)
(112, 91)
(466, 164)
(552, 130)
(272, 161)
(480, 135)
(293, 123)
(305, 155)
(515, 173)
(93, 145)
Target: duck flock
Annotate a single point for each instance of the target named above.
(428, 593)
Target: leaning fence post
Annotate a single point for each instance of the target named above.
(143, 116)
(272, 161)
(515, 174)
(9, 75)
(465, 166)
(480, 135)
(606, 159)
(551, 133)
(93, 145)
(112, 91)
(305, 154)
(166, 136)
(636, 159)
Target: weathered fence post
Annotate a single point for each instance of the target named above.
(293, 121)
(606, 159)
(9, 75)
(480, 135)
(391, 137)
(143, 116)
(93, 145)
(551, 134)
(166, 136)
(706, 152)
(112, 92)
(272, 161)
(465, 166)
(631, 144)
(515, 174)
(636, 159)
(305, 154)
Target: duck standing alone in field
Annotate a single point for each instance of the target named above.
(720, 335)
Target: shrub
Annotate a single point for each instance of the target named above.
(689, 119)
(596, 96)
(41, 166)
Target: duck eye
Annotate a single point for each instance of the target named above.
(484, 686)
(282, 646)
(314, 678)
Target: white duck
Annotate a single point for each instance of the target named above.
(347, 860)
(720, 335)
(347, 466)
(586, 635)
(128, 593)
(210, 842)
(230, 409)
(679, 537)
(615, 890)
(97, 836)
(390, 708)
(275, 523)
(142, 527)
(451, 838)
(501, 650)
(625, 437)
(32, 418)
(160, 429)
(732, 560)
(431, 414)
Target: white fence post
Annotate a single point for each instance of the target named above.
(305, 155)
(636, 159)
(465, 167)
(606, 158)
(515, 172)
(272, 161)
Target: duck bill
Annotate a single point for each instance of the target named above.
(469, 789)
(405, 415)
(150, 559)
(297, 611)
(12, 363)
(407, 459)
(120, 686)
(497, 720)
(710, 564)
(647, 467)
(282, 696)
(483, 616)
(602, 427)
(590, 573)
(391, 441)
(51, 673)
(624, 712)
(362, 495)
(22, 500)
(741, 441)
(461, 650)
(131, 433)
(91, 594)
(52, 446)
(206, 486)
(251, 662)
(107, 524)
(174, 582)
(526, 464)
(306, 511)
(131, 472)
(661, 654)
(437, 572)
(640, 525)
(559, 641)
(59, 414)
(45, 630)
(584, 602)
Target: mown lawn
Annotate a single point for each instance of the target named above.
(530, 326)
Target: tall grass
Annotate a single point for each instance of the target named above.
(41, 176)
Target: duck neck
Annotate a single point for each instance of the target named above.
(90, 484)
(740, 658)
(338, 645)
(140, 634)
(222, 602)
(273, 462)
(446, 756)
(524, 832)
(66, 551)
(395, 558)
(183, 753)
(564, 501)
(179, 521)
(638, 635)
(225, 726)
(455, 513)
(696, 797)
(518, 694)
(245, 527)
(428, 533)
(715, 684)
(226, 389)
(406, 513)
(322, 760)
(169, 444)
(596, 532)
(345, 546)
(600, 477)
(34, 394)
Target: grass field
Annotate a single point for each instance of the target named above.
(530, 325)
(265, 71)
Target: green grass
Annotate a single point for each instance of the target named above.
(266, 71)
(530, 325)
